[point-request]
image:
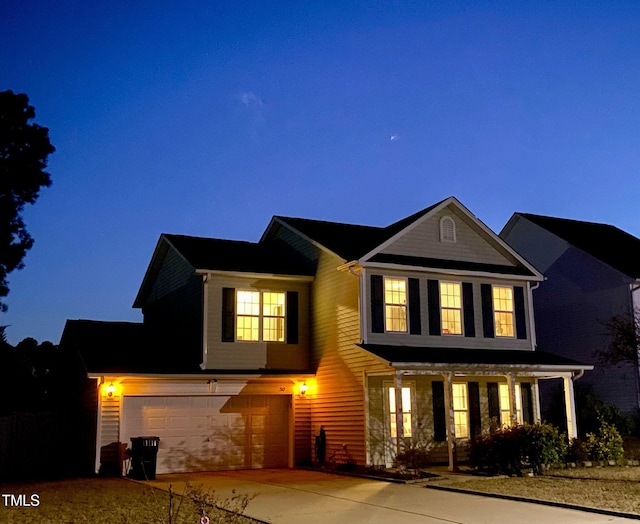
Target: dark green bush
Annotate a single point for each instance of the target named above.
(511, 450)
(606, 444)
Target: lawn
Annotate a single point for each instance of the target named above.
(97, 501)
(610, 488)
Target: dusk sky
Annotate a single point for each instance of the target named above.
(207, 117)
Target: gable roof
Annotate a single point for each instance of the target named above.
(350, 241)
(272, 257)
(611, 245)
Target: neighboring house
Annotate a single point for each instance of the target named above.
(418, 332)
(592, 273)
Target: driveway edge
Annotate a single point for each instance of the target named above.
(536, 501)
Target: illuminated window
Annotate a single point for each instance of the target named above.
(273, 317)
(447, 230)
(406, 412)
(461, 410)
(505, 416)
(395, 304)
(258, 313)
(503, 311)
(451, 308)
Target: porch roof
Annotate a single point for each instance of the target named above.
(440, 357)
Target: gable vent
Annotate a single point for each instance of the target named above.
(447, 229)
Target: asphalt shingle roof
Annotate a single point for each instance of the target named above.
(350, 241)
(611, 245)
(439, 355)
(234, 255)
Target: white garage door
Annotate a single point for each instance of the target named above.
(213, 432)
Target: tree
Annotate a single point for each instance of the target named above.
(624, 344)
(24, 148)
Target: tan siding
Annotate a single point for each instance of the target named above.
(472, 244)
(256, 355)
(303, 437)
(478, 342)
(339, 402)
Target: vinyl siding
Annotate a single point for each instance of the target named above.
(425, 339)
(472, 244)
(174, 273)
(339, 403)
(255, 355)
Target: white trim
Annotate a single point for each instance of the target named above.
(406, 305)
(381, 266)
(242, 274)
(205, 317)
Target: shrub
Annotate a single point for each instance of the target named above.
(578, 451)
(606, 444)
(414, 457)
(510, 450)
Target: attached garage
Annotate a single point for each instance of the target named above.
(213, 432)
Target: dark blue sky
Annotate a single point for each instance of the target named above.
(207, 118)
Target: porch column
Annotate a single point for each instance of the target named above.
(535, 390)
(513, 415)
(451, 421)
(399, 414)
(570, 404)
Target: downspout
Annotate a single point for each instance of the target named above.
(532, 324)
(205, 315)
(577, 375)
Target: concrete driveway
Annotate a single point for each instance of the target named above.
(290, 496)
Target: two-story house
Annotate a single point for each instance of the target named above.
(592, 273)
(418, 332)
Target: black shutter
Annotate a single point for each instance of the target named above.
(527, 403)
(521, 321)
(475, 418)
(439, 415)
(494, 401)
(414, 307)
(377, 304)
(487, 310)
(433, 299)
(292, 317)
(467, 304)
(228, 314)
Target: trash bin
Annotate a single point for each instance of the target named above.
(144, 454)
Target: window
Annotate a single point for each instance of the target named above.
(260, 316)
(461, 410)
(503, 311)
(447, 230)
(395, 304)
(451, 308)
(505, 402)
(406, 412)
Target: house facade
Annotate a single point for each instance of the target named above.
(592, 273)
(420, 333)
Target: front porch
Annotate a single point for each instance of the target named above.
(439, 406)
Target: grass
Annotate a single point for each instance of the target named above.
(609, 488)
(96, 501)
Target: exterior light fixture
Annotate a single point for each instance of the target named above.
(111, 389)
(303, 389)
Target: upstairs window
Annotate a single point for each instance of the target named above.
(395, 304)
(451, 308)
(260, 316)
(447, 230)
(503, 311)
